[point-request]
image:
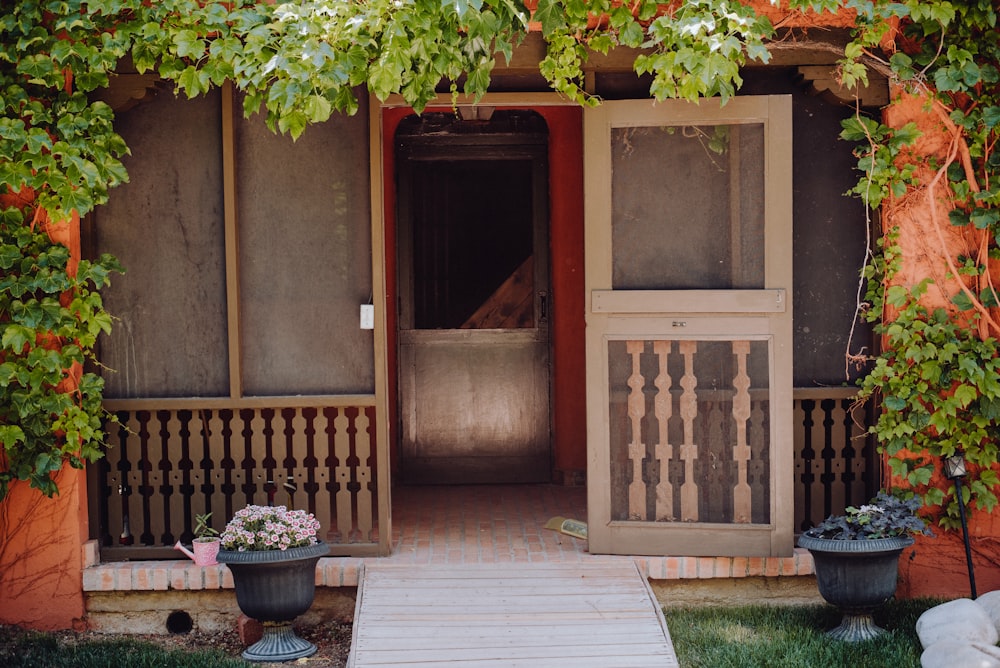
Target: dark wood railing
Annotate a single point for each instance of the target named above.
(170, 460)
(836, 464)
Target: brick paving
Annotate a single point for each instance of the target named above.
(485, 524)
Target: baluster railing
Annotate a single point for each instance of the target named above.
(171, 460)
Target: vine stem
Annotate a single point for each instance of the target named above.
(869, 257)
(988, 324)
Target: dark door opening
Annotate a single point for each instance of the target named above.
(474, 378)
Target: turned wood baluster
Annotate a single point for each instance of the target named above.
(363, 447)
(636, 448)
(663, 409)
(689, 449)
(342, 450)
(741, 417)
(324, 499)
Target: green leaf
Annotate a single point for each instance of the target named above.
(983, 218)
(16, 337)
(920, 476)
(462, 7)
(991, 116)
(9, 256)
(189, 44)
(549, 13)
(934, 496)
(958, 217)
(193, 81)
(962, 301)
(895, 403)
(294, 123)
(318, 109)
(965, 395)
(11, 435)
(902, 65)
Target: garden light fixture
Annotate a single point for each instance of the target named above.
(954, 470)
(954, 466)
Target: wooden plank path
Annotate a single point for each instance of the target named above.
(490, 615)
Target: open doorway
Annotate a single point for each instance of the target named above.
(474, 379)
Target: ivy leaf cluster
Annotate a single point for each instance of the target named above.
(692, 49)
(940, 389)
(49, 324)
(53, 139)
(937, 375)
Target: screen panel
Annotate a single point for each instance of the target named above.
(166, 226)
(305, 258)
(687, 207)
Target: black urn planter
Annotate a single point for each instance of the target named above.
(856, 576)
(274, 587)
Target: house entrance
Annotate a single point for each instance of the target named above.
(473, 336)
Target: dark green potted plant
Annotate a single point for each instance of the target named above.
(272, 553)
(857, 559)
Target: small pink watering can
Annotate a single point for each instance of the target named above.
(205, 551)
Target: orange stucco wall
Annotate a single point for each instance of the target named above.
(41, 539)
(41, 555)
(936, 566)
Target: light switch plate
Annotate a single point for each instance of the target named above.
(367, 316)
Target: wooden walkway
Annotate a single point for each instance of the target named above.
(546, 615)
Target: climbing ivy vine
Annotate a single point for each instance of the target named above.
(938, 373)
(299, 62)
(51, 320)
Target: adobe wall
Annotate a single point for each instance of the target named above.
(42, 540)
(936, 566)
(42, 554)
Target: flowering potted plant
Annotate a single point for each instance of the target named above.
(259, 528)
(857, 558)
(272, 552)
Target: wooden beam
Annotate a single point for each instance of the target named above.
(823, 80)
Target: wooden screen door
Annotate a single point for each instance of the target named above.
(689, 369)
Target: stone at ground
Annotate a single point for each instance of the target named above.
(961, 620)
(956, 654)
(250, 630)
(991, 603)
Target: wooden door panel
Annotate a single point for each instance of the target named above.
(689, 328)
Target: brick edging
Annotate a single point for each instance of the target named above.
(343, 572)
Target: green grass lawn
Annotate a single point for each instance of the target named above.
(704, 637)
(31, 649)
(789, 637)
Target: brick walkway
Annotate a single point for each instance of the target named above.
(485, 524)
